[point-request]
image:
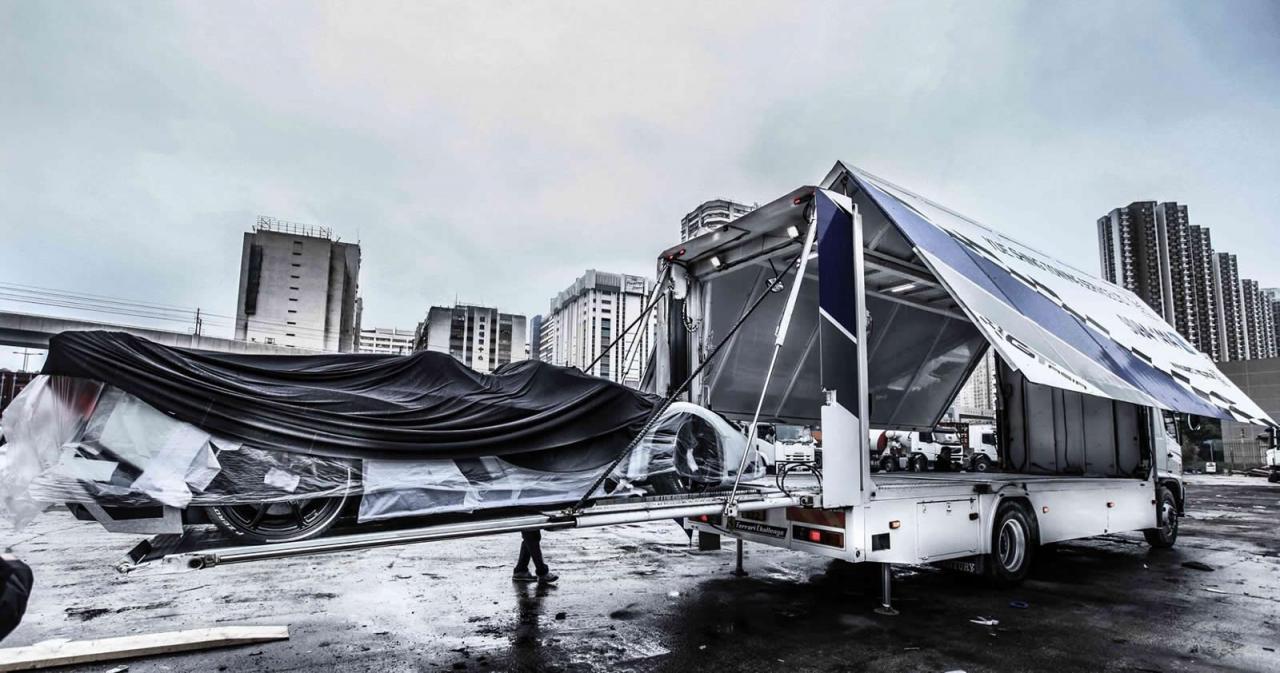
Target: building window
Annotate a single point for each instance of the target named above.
(293, 299)
(295, 264)
(293, 311)
(292, 288)
(290, 334)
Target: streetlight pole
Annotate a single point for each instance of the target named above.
(26, 357)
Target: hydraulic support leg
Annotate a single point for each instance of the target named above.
(739, 571)
(886, 580)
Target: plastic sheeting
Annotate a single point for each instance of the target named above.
(72, 440)
(353, 405)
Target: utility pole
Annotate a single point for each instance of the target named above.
(198, 324)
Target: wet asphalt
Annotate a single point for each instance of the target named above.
(641, 598)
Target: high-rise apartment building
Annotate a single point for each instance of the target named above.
(1205, 294)
(1230, 316)
(298, 287)
(1173, 233)
(387, 340)
(480, 337)
(710, 216)
(977, 397)
(1273, 296)
(1259, 321)
(1152, 250)
(587, 316)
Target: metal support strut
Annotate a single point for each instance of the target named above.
(886, 579)
(780, 338)
(739, 571)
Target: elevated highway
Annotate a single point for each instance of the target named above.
(25, 330)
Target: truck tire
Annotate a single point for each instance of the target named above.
(918, 463)
(1014, 537)
(1166, 534)
(888, 464)
(1274, 477)
(981, 463)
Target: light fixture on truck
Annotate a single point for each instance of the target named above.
(715, 262)
(827, 538)
(793, 232)
(895, 524)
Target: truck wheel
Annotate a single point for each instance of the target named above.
(981, 463)
(1013, 541)
(918, 463)
(1167, 534)
(888, 463)
(1274, 478)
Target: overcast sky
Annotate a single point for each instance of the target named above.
(492, 151)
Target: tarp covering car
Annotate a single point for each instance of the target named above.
(455, 439)
(424, 405)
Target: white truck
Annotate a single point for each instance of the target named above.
(856, 304)
(917, 451)
(981, 454)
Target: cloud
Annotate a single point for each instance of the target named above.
(493, 151)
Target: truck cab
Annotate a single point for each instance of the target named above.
(982, 454)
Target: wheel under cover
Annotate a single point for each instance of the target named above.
(284, 521)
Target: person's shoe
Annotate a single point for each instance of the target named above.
(548, 578)
(523, 576)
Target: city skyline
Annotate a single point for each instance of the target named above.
(441, 162)
(1152, 249)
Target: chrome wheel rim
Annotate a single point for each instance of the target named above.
(1011, 544)
(1170, 525)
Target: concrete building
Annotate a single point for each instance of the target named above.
(977, 398)
(1204, 293)
(1259, 321)
(1260, 380)
(587, 316)
(1153, 250)
(1230, 316)
(480, 337)
(390, 340)
(710, 216)
(535, 338)
(298, 287)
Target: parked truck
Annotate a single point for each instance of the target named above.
(917, 451)
(981, 454)
(855, 304)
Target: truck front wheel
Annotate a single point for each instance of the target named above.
(1013, 540)
(1166, 534)
(981, 463)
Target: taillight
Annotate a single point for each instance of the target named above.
(827, 538)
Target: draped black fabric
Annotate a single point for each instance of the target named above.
(425, 405)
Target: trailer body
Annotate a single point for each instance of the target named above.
(894, 312)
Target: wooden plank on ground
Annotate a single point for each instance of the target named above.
(66, 653)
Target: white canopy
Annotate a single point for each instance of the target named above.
(1058, 325)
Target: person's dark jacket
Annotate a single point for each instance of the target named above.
(15, 588)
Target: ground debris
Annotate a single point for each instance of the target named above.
(1197, 565)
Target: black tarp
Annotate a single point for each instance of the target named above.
(425, 405)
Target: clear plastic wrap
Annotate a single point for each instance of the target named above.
(75, 441)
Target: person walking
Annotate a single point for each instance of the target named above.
(531, 550)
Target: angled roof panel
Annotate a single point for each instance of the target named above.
(1059, 325)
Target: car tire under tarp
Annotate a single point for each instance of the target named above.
(287, 521)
